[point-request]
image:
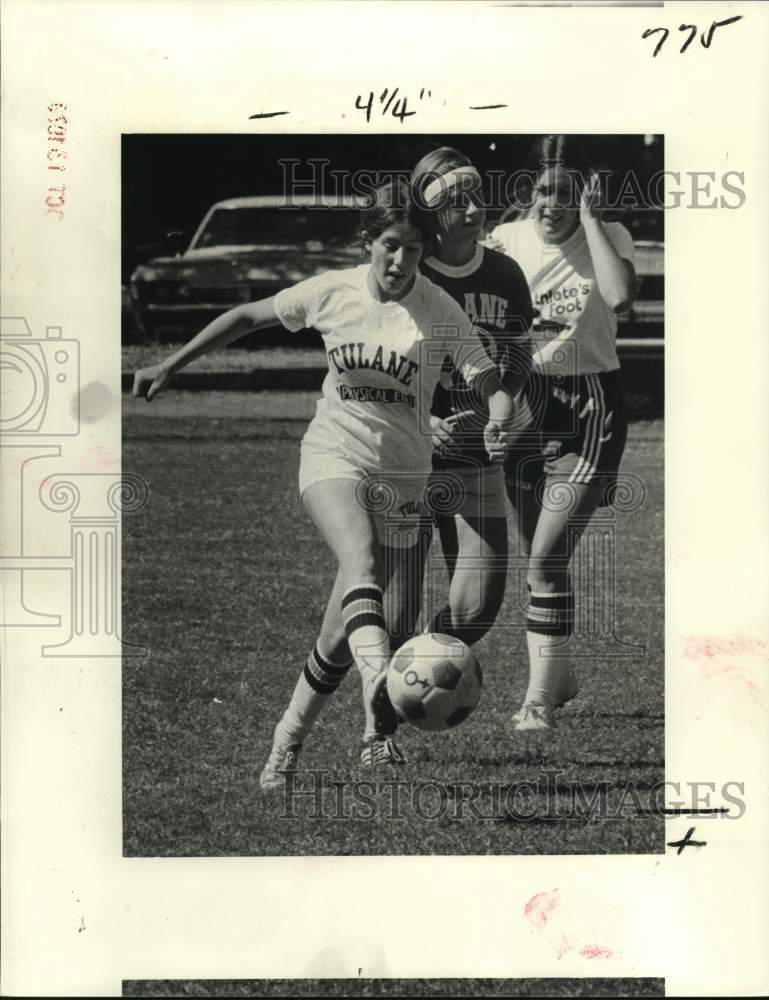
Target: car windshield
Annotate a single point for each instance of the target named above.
(243, 227)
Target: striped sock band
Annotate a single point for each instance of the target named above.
(322, 676)
(364, 623)
(362, 607)
(551, 614)
(365, 627)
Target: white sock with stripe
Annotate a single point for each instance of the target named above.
(548, 622)
(364, 623)
(315, 685)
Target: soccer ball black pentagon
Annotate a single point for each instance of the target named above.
(434, 682)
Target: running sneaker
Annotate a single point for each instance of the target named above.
(381, 750)
(532, 717)
(280, 761)
(568, 690)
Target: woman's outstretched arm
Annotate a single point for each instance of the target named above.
(220, 332)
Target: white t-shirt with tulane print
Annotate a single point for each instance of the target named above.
(574, 330)
(384, 360)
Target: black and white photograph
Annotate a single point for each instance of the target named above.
(405, 398)
(383, 491)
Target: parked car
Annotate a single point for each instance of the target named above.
(250, 248)
(646, 317)
(244, 249)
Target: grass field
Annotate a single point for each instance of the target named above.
(224, 583)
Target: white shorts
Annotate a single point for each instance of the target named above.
(469, 491)
(393, 499)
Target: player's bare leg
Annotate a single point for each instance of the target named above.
(350, 533)
(354, 612)
(475, 550)
(550, 532)
(405, 568)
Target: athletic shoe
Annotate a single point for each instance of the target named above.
(532, 717)
(385, 717)
(569, 691)
(381, 750)
(281, 760)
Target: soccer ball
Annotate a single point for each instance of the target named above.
(434, 682)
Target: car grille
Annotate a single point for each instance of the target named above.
(158, 291)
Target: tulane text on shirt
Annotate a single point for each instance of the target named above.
(481, 307)
(359, 356)
(374, 394)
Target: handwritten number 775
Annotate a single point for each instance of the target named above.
(706, 37)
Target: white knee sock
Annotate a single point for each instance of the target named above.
(364, 622)
(315, 685)
(549, 622)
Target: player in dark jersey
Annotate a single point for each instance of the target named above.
(466, 492)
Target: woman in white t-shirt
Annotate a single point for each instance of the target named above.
(367, 452)
(580, 272)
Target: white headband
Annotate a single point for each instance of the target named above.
(437, 189)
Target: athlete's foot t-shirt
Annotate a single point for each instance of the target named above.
(574, 331)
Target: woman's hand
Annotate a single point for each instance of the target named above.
(590, 200)
(493, 243)
(148, 382)
(498, 436)
(444, 431)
